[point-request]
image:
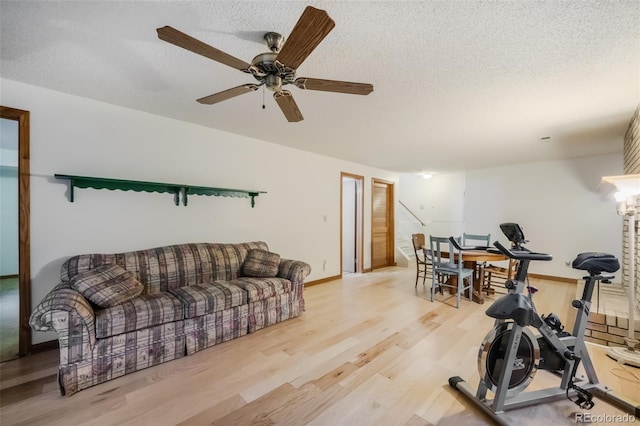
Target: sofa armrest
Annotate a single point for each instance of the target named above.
(294, 270)
(68, 313)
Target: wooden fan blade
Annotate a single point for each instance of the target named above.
(334, 86)
(180, 39)
(228, 94)
(288, 106)
(312, 27)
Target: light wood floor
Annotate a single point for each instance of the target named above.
(369, 350)
(9, 314)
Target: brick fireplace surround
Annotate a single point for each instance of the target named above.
(608, 321)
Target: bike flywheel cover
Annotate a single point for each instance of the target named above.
(491, 356)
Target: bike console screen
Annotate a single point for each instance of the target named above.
(514, 233)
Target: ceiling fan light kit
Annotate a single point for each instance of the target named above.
(276, 68)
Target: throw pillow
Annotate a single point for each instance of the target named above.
(108, 285)
(261, 264)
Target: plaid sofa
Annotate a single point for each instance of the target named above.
(192, 296)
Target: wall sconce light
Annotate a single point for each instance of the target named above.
(627, 198)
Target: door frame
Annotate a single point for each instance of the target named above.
(359, 229)
(24, 246)
(391, 246)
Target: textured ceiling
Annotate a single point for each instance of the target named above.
(457, 84)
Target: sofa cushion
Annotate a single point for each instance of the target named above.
(107, 285)
(207, 298)
(142, 312)
(261, 263)
(163, 268)
(263, 288)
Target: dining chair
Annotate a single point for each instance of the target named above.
(423, 259)
(447, 266)
(479, 240)
(496, 275)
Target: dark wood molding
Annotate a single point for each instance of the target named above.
(24, 249)
(322, 280)
(45, 346)
(554, 278)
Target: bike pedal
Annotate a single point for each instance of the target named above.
(585, 404)
(585, 399)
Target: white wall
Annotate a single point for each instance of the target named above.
(557, 204)
(72, 135)
(438, 202)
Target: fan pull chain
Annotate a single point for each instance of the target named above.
(263, 107)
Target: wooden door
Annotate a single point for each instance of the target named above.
(382, 235)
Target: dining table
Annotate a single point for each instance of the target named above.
(470, 259)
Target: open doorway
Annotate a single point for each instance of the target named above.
(9, 295)
(351, 223)
(15, 281)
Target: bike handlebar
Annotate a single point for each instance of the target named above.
(522, 255)
(457, 245)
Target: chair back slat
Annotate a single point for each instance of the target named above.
(446, 266)
(423, 259)
(482, 239)
(437, 245)
(418, 242)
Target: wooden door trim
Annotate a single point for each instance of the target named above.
(24, 248)
(360, 250)
(391, 247)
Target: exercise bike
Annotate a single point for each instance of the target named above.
(510, 354)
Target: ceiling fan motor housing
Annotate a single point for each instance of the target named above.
(269, 72)
(273, 82)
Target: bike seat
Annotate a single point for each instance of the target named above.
(596, 263)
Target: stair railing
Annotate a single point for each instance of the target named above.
(412, 213)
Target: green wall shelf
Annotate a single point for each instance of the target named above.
(178, 190)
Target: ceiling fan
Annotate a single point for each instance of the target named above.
(277, 68)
